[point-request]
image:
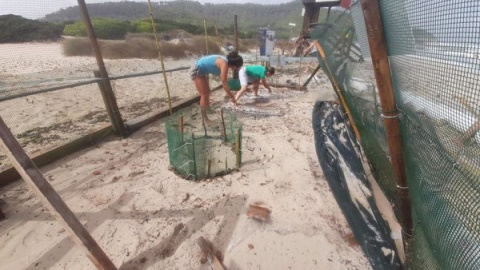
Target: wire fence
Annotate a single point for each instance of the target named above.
(433, 50)
(49, 99)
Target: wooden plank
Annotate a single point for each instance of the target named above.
(10, 175)
(50, 199)
(294, 87)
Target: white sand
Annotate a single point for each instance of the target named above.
(146, 217)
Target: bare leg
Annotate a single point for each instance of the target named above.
(202, 87)
(255, 88)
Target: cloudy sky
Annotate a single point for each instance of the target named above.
(34, 9)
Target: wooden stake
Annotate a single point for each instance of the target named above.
(311, 76)
(237, 46)
(223, 125)
(160, 55)
(378, 51)
(194, 159)
(209, 167)
(50, 199)
(238, 155)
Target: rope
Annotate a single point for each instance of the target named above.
(160, 56)
(389, 117)
(206, 35)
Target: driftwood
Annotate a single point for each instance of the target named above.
(209, 253)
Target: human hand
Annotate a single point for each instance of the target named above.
(233, 101)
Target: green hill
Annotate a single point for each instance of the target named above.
(249, 16)
(18, 29)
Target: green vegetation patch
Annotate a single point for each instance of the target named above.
(15, 29)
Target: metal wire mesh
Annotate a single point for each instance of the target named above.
(200, 150)
(433, 50)
(49, 98)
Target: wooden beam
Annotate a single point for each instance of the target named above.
(50, 199)
(311, 76)
(378, 50)
(295, 87)
(10, 175)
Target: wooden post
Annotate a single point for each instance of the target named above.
(209, 167)
(278, 67)
(111, 107)
(194, 159)
(223, 125)
(237, 48)
(238, 150)
(311, 76)
(378, 50)
(160, 55)
(50, 199)
(117, 124)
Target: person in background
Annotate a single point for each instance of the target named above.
(216, 65)
(254, 75)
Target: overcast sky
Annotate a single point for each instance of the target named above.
(35, 9)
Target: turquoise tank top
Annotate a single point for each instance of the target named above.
(206, 64)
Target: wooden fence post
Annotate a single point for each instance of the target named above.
(378, 50)
(111, 102)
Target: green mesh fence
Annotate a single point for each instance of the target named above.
(434, 54)
(199, 149)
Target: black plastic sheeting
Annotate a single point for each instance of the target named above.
(340, 158)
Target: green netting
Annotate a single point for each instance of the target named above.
(197, 150)
(434, 54)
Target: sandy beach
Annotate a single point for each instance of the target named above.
(140, 212)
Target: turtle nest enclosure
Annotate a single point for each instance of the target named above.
(198, 149)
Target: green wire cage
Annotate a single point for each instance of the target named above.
(201, 149)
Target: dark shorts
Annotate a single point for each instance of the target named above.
(196, 73)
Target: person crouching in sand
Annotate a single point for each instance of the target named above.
(216, 65)
(254, 75)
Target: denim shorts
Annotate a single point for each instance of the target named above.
(195, 73)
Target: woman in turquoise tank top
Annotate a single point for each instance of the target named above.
(216, 65)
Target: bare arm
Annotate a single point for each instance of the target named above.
(223, 66)
(265, 84)
(241, 92)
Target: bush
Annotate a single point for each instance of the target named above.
(104, 28)
(143, 26)
(139, 47)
